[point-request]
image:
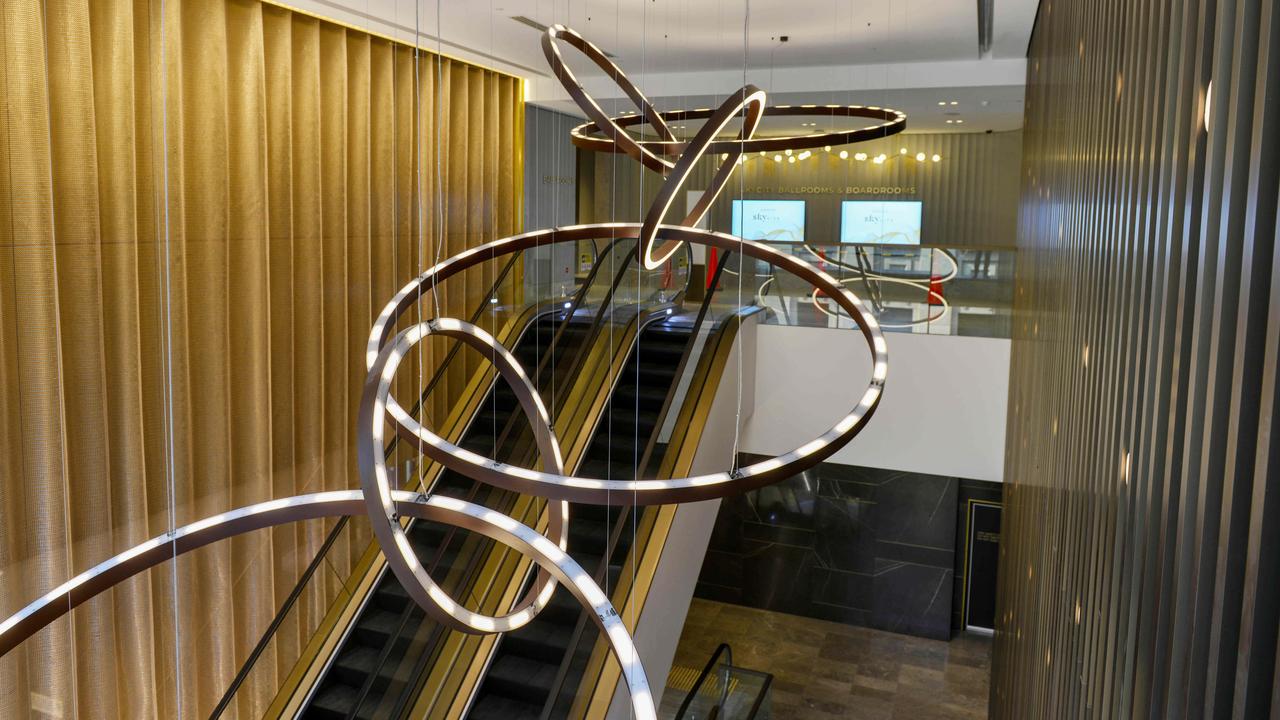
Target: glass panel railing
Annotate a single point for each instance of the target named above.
(630, 528)
(551, 349)
(909, 289)
(729, 693)
(299, 627)
(722, 691)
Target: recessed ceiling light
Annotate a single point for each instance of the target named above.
(942, 102)
(959, 121)
(953, 102)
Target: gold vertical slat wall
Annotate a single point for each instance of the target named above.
(1141, 546)
(203, 205)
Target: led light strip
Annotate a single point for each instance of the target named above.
(885, 122)
(751, 99)
(645, 492)
(866, 276)
(377, 487)
(439, 508)
(617, 138)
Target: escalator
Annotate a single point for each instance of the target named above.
(377, 654)
(533, 665)
(390, 625)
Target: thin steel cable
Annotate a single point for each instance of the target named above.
(167, 281)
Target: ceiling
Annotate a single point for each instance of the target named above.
(925, 50)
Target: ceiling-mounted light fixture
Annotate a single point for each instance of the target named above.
(844, 154)
(919, 157)
(937, 157)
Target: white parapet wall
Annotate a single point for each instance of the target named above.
(943, 410)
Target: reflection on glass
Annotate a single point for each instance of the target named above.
(922, 290)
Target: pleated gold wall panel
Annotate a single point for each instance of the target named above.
(1139, 565)
(203, 204)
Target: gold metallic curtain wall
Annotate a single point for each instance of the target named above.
(1140, 556)
(203, 205)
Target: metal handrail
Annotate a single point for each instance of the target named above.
(581, 625)
(426, 657)
(722, 648)
(340, 525)
(427, 653)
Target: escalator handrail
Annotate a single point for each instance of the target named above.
(426, 658)
(428, 653)
(684, 360)
(472, 564)
(739, 314)
(620, 522)
(721, 649)
(331, 538)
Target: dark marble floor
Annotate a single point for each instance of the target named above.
(824, 670)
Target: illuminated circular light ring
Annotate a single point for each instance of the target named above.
(835, 260)
(886, 122)
(644, 492)
(867, 276)
(751, 99)
(618, 139)
(946, 306)
(451, 511)
(370, 445)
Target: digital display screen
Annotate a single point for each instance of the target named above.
(769, 220)
(877, 222)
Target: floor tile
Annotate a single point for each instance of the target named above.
(828, 670)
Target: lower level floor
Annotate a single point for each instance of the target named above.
(824, 670)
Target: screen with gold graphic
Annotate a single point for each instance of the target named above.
(876, 222)
(769, 220)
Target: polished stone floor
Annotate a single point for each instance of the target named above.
(825, 670)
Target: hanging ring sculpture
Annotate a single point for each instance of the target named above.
(386, 349)
(866, 277)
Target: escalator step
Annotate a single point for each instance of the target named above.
(544, 641)
(333, 701)
(586, 535)
(376, 626)
(521, 678)
(494, 707)
(355, 664)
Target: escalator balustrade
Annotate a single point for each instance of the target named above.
(541, 659)
(372, 658)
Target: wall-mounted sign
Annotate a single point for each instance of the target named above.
(982, 556)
